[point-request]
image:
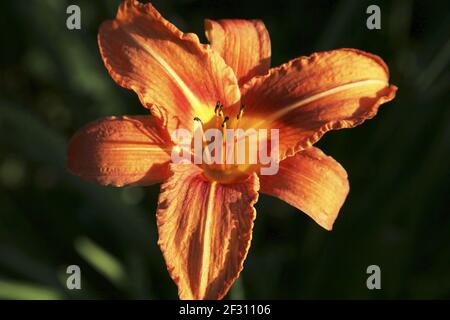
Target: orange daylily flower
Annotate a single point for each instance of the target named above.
(205, 214)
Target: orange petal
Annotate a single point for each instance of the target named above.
(312, 182)
(121, 151)
(244, 44)
(205, 230)
(311, 95)
(174, 75)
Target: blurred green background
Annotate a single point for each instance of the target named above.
(397, 216)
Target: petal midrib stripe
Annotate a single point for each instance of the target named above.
(138, 148)
(195, 103)
(286, 109)
(206, 241)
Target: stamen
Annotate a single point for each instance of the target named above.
(224, 142)
(241, 112)
(239, 115)
(216, 108)
(199, 126)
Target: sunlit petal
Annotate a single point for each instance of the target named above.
(205, 230)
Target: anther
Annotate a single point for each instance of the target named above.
(217, 107)
(225, 121)
(198, 119)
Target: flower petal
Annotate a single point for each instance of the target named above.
(312, 182)
(174, 75)
(121, 151)
(244, 44)
(311, 95)
(205, 230)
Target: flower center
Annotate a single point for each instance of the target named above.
(224, 150)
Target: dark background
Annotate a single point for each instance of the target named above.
(52, 82)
